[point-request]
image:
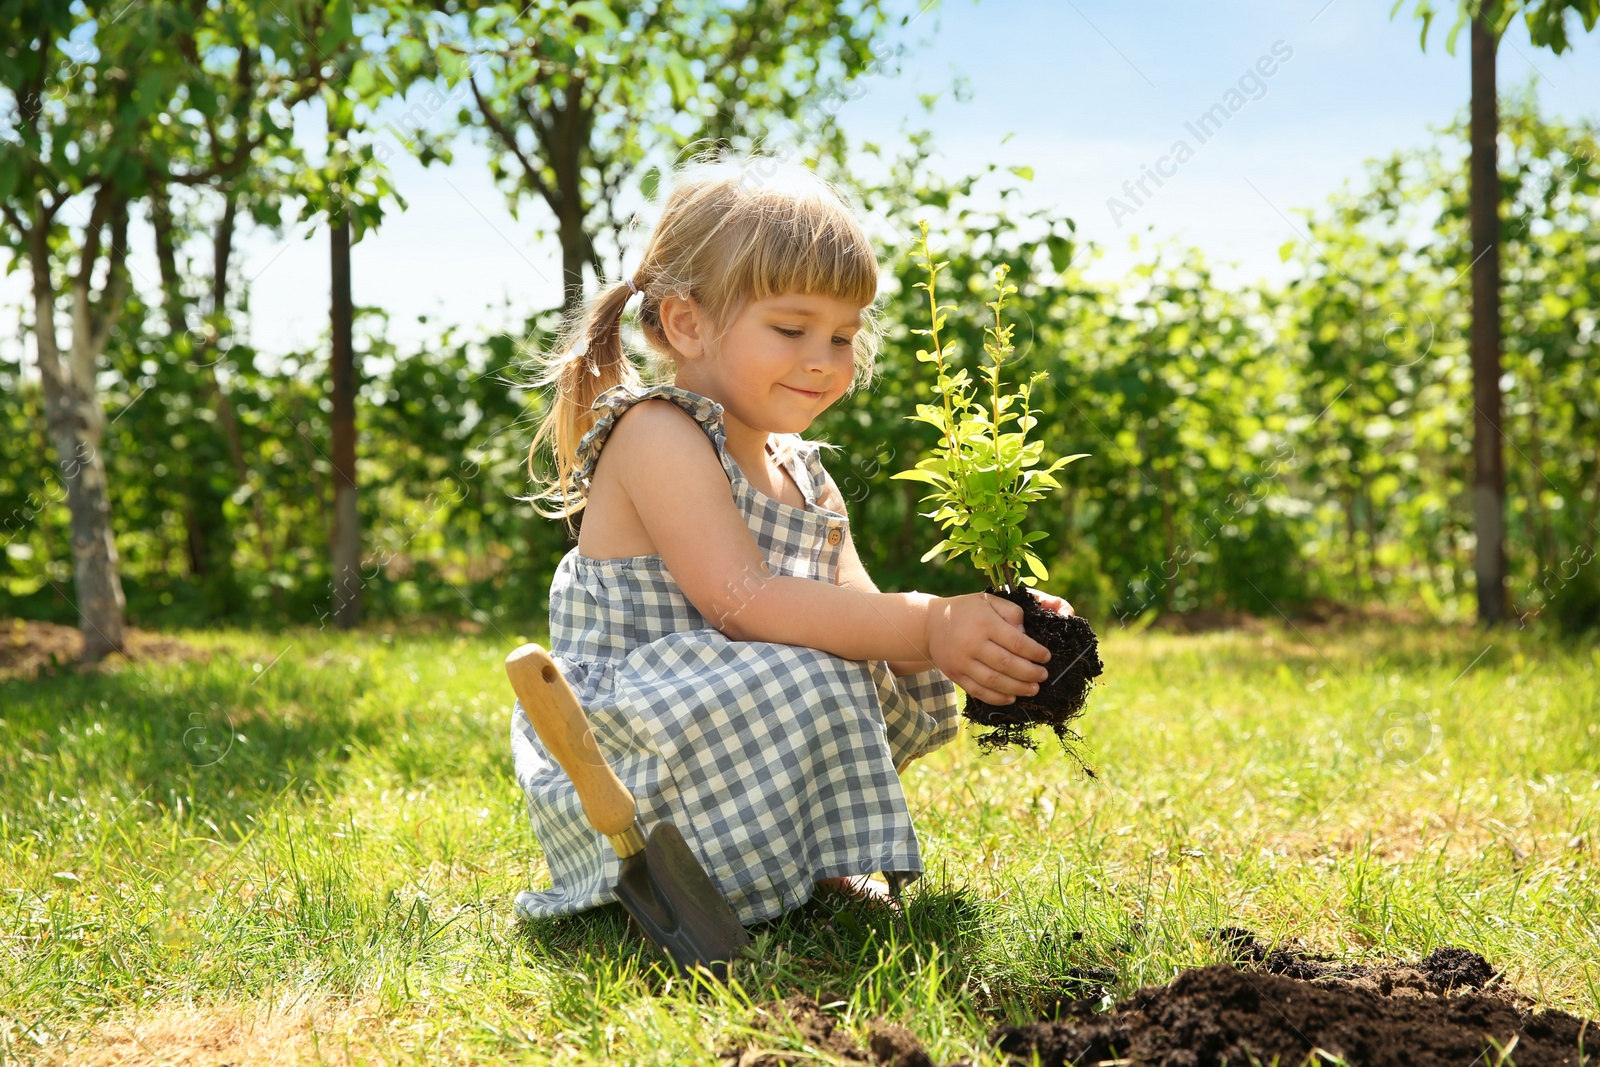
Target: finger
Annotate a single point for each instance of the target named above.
(1004, 608)
(1066, 609)
(1019, 679)
(1013, 666)
(1023, 645)
(978, 691)
(997, 681)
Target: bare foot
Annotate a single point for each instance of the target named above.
(861, 890)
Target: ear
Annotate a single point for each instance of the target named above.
(684, 323)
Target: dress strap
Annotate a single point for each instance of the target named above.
(610, 405)
(808, 460)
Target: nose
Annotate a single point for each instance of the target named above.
(827, 356)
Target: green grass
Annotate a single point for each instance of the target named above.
(306, 846)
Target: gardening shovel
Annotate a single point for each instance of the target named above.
(662, 883)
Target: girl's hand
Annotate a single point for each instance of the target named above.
(1051, 603)
(977, 641)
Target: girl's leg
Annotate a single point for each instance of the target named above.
(861, 889)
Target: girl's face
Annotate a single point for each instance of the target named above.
(780, 363)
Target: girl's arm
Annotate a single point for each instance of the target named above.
(853, 574)
(670, 473)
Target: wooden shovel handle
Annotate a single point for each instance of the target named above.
(564, 728)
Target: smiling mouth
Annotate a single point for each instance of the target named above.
(813, 394)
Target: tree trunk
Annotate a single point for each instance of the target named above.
(209, 540)
(574, 257)
(565, 136)
(1488, 477)
(222, 254)
(74, 421)
(1353, 541)
(346, 546)
(1370, 515)
(1586, 525)
(1169, 538)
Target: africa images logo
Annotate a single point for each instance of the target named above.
(1252, 85)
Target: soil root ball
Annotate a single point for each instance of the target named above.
(1074, 665)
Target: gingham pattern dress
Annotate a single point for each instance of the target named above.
(776, 761)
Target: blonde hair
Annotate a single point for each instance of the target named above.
(733, 231)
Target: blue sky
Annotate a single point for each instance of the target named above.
(1093, 92)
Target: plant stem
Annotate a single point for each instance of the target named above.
(951, 441)
(997, 351)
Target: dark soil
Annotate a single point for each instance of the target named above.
(888, 1045)
(1273, 1005)
(1278, 1005)
(1074, 665)
(1443, 970)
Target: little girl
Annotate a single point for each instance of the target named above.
(743, 675)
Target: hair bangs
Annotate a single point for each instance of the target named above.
(772, 242)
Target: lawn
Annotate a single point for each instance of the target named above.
(303, 847)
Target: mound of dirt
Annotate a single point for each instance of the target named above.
(1445, 1010)
(30, 649)
(1274, 1005)
(1441, 971)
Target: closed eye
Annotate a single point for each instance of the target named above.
(788, 331)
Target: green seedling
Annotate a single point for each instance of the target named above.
(984, 472)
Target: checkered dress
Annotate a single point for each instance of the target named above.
(776, 761)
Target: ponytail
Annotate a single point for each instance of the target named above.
(590, 359)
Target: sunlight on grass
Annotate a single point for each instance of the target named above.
(304, 848)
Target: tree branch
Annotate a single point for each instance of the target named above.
(114, 294)
(16, 221)
(90, 253)
(508, 138)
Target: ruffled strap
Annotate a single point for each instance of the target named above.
(809, 454)
(610, 405)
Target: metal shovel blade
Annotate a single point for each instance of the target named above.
(670, 895)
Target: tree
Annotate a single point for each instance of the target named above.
(122, 112)
(577, 99)
(240, 71)
(1547, 27)
(345, 541)
(350, 189)
(80, 108)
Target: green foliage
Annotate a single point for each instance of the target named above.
(582, 103)
(1576, 610)
(442, 434)
(1260, 448)
(983, 476)
(1546, 19)
(1175, 381)
(1377, 326)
